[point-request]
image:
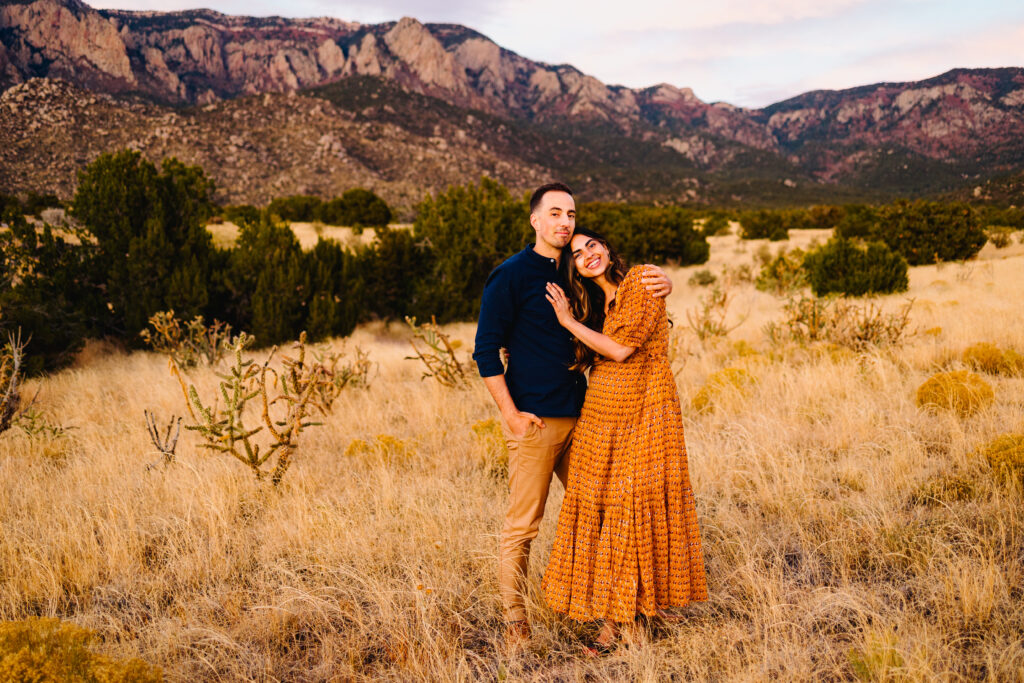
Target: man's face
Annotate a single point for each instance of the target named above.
(554, 220)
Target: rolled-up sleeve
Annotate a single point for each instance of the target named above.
(497, 313)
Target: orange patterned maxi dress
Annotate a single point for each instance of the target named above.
(627, 538)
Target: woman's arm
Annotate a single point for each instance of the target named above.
(604, 345)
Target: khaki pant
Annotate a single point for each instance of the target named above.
(532, 459)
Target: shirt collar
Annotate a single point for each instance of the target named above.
(539, 259)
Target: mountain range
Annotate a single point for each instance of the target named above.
(272, 106)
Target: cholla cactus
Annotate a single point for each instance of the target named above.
(286, 400)
(341, 373)
(11, 358)
(439, 358)
(166, 444)
(188, 342)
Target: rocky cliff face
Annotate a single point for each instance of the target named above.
(904, 137)
(197, 57)
(964, 114)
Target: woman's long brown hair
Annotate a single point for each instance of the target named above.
(586, 300)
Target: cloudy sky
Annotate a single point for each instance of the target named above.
(747, 52)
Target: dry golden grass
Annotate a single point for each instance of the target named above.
(839, 542)
(225, 234)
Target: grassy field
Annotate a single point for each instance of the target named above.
(225, 234)
(836, 548)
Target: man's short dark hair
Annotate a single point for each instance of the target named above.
(539, 193)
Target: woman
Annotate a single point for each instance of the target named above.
(627, 541)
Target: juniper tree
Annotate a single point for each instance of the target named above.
(149, 229)
(50, 288)
(267, 282)
(470, 230)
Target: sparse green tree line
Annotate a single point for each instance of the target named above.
(143, 247)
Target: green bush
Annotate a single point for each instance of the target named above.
(393, 273)
(267, 283)
(858, 220)
(716, 223)
(922, 231)
(303, 208)
(243, 213)
(843, 267)
(647, 234)
(785, 273)
(470, 230)
(763, 224)
(337, 296)
(149, 228)
(35, 203)
(50, 288)
(357, 208)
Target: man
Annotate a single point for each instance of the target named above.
(539, 398)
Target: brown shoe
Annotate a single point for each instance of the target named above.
(517, 634)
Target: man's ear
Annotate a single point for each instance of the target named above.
(533, 221)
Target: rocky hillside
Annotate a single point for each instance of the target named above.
(255, 148)
(396, 97)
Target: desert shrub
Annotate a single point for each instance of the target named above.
(187, 342)
(48, 649)
(736, 380)
(716, 223)
(878, 657)
(149, 227)
(858, 220)
(702, 278)
(241, 214)
(808, 319)
(35, 203)
(648, 234)
(1005, 455)
(302, 208)
(989, 358)
(950, 488)
(960, 391)
(1003, 218)
(841, 266)
(357, 208)
(708, 319)
(763, 224)
(732, 276)
(470, 230)
(386, 448)
(785, 273)
(922, 231)
(50, 288)
(1000, 236)
(822, 217)
(10, 203)
(493, 448)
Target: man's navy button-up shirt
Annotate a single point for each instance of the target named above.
(514, 314)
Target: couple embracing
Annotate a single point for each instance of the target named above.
(627, 541)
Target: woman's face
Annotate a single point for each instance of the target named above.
(589, 255)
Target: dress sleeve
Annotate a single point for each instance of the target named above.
(637, 311)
